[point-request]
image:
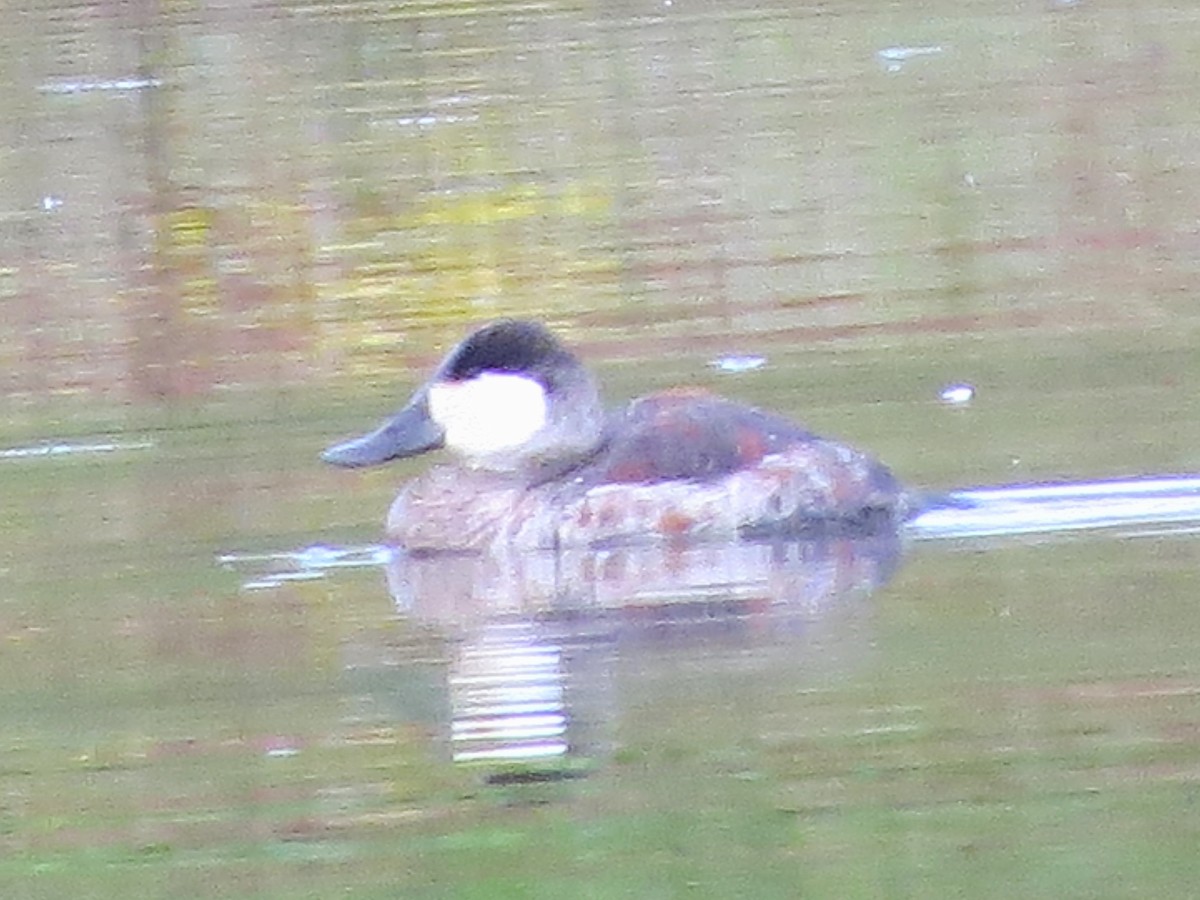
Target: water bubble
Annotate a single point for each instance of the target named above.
(894, 58)
(736, 363)
(957, 394)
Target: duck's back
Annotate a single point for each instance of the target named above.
(691, 464)
(690, 435)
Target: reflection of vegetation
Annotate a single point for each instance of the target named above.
(239, 288)
(459, 257)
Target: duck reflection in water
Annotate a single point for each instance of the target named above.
(536, 638)
(543, 466)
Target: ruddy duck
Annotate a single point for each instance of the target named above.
(543, 466)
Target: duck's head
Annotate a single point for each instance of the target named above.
(509, 398)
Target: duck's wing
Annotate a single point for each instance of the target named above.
(691, 436)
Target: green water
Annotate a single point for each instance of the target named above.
(998, 717)
(230, 236)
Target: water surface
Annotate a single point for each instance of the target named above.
(231, 235)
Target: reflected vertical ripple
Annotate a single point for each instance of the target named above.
(507, 696)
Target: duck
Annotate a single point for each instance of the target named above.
(540, 464)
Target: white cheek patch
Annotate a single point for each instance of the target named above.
(489, 413)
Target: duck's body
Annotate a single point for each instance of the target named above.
(545, 467)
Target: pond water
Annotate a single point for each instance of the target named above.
(962, 236)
